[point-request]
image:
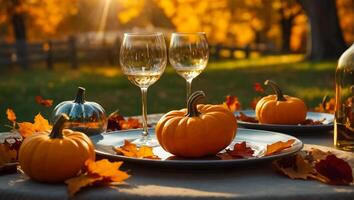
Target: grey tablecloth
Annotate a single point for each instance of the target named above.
(246, 182)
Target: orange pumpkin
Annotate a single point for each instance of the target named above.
(199, 131)
(57, 156)
(279, 108)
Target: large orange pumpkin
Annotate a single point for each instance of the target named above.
(57, 156)
(279, 108)
(199, 131)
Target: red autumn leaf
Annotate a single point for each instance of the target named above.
(44, 102)
(232, 103)
(278, 146)
(117, 122)
(335, 169)
(241, 150)
(258, 88)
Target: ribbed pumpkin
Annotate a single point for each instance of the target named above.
(84, 116)
(279, 108)
(57, 156)
(199, 131)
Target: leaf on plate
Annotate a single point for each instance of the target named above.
(336, 170)
(130, 149)
(258, 88)
(44, 102)
(11, 116)
(102, 172)
(241, 150)
(278, 146)
(232, 103)
(40, 125)
(245, 118)
(295, 167)
(117, 122)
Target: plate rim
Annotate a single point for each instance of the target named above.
(192, 162)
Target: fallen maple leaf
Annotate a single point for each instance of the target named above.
(336, 170)
(11, 116)
(75, 184)
(40, 125)
(102, 172)
(232, 103)
(278, 146)
(44, 102)
(241, 150)
(117, 122)
(130, 149)
(258, 88)
(295, 167)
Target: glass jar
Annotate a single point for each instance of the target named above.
(344, 109)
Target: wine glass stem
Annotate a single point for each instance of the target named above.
(145, 133)
(189, 88)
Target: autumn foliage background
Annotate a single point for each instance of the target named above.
(250, 41)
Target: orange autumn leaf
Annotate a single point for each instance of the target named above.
(109, 171)
(130, 149)
(44, 102)
(75, 184)
(26, 128)
(102, 172)
(11, 116)
(278, 146)
(232, 103)
(40, 125)
(117, 122)
(326, 105)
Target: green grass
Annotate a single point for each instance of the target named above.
(107, 86)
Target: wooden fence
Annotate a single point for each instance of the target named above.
(73, 52)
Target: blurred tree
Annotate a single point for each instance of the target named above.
(326, 35)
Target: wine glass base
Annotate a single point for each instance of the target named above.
(146, 142)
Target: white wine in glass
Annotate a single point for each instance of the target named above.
(188, 54)
(143, 59)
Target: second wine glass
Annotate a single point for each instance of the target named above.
(143, 59)
(188, 54)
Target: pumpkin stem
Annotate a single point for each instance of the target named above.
(58, 127)
(324, 102)
(192, 102)
(277, 90)
(80, 95)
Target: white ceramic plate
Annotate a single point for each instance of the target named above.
(257, 139)
(326, 126)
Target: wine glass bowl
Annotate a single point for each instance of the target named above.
(188, 55)
(143, 60)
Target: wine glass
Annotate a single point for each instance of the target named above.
(189, 54)
(143, 59)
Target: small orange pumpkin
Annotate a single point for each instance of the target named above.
(199, 131)
(279, 108)
(57, 156)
